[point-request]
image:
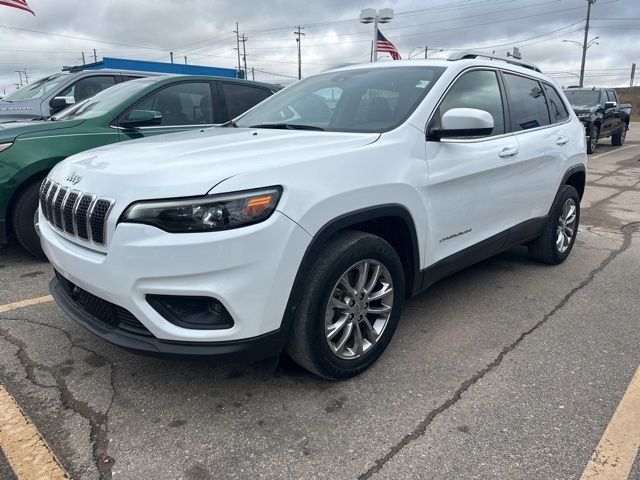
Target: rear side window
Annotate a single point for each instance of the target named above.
(240, 98)
(557, 108)
(611, 96)
(527, 103)
(477, 89)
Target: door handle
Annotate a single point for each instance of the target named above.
(508, 152)
(562, 140)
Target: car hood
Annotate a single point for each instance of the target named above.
(11, 130)
(19, 110)
(191, 163)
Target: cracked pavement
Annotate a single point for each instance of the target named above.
(509, 369)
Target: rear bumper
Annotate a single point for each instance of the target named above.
(246, 350)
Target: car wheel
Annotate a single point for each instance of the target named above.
(350, 307)
(24, 217)
(556, 241)
(594, 136)
(617, 139)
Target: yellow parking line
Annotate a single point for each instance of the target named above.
(25, 303)
(618, 447)
(611, 151)
(24, 448)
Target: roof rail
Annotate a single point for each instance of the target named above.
(467, 54)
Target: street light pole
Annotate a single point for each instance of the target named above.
(584, 44)
(371, 15)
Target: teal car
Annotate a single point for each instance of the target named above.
(130, 110)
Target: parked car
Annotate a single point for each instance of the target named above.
(601, 113)
(135, 109)
(50, 95)
(307, 222)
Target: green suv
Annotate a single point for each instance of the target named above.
(130, 110)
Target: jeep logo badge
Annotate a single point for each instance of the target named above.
(74, 178)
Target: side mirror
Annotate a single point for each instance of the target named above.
(59, 103)
(141, 118)
(610, 104)
(463, 122)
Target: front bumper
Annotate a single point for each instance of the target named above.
(249, 270)
(248, 350)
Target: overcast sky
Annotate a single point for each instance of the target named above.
(202, 30)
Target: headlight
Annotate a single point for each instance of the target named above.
(4, 146)
(206, 213)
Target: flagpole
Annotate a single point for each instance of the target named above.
(375, 39)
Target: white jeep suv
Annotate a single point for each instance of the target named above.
(305, 223)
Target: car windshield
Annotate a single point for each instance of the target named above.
(363, 100)
(37, 89)
(580, 98)
(107, 99)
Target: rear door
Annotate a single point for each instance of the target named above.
(542, 142)
(474, 185)
(237, 98)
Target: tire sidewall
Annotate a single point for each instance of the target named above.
(594, 132)
(363, 249)
(23, 220)
(567, 192)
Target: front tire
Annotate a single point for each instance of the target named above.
(24, 214)
(554, 245)
(617, 139)
(350, 307)
(594, 136)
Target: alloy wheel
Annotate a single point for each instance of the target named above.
(566, 225)
(358, 309)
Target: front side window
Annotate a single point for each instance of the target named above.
(188, 103)
(88, 87)
(477, 89)
(556, 106)
(363, 100)
(611, 96)
(240, 98)
(527, 103)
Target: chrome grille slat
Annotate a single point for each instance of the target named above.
(75, 213)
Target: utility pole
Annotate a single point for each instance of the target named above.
(185, 60)
(244, 54)
(26, 78)
(20, 74)
(237, 32)
(298, 34)
(253, 74)
(171, 55)
(586, 38)
(633, 74)
(83, 61)
(426, 48)
(95, 56)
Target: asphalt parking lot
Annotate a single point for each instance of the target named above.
(509, 369)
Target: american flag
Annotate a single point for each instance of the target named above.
(385, 45)
(21, 4)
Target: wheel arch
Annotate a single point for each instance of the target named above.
(392, 222)
(23, 185)
(575, 176)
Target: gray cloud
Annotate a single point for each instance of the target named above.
(202, 30)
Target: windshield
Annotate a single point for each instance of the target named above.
(37, 89)
(581, 98)
(106, 100)
(363, 100)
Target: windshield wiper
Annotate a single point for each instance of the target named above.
(230, 123)
(287, 126)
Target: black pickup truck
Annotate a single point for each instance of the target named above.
(601, 113)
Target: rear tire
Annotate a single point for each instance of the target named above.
(554, 245)
(617, 139)
(336, 332)
(594, 136)
(24, 212)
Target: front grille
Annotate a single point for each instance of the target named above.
(109, 314)
(78, 214)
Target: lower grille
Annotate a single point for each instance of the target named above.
(106, 312)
